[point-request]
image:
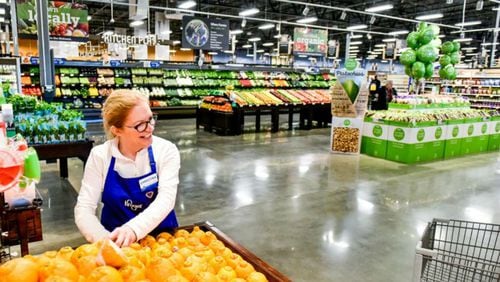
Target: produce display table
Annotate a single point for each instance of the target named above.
(63, 151)
(271, 273)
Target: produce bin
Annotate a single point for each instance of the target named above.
(374, 140)
(494, 134)
(435, 148)
(475, 140)
(408, 142)
(455, 130)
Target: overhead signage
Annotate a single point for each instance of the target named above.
(150, 40)
(67, 21)
(309, 41)
(205, 34)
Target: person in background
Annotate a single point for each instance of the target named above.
(374, 92)
(387, 93)
(134, 176)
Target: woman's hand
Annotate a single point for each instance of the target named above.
(123, 236)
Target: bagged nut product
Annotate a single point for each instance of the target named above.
(346, 135)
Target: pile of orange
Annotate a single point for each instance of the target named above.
(196, 256)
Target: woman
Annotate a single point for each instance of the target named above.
(134, 175)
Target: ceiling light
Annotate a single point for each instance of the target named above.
(462, 39)
(372, 20)
(267, 44)
(136, 23)
(479, 5)
(468, 23)
(343, 15)
(277, 36)
(356, 42)
(254, 39)
(489, 44)
(260, 51)
(247, 46)
(88, 17)
(212, 53)
(185, 49)
(379, 45)
(306, 11)
(266, 26)
(356, 27)
(449, 1)
(469, 48)
(399, 32)
(356, 36)
(175, 42)
(249, 12)
(236, 31)
(228, 51)
(389, 40)
(441, 36)
(380, 8)
(307, 20)
(429, 17)
(243, 23)
(266, 54)
(187, 5)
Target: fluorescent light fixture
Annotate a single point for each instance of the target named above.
(356, 27)
(441, 36)
(429, 17)
(235, 41)
(249, 55)
(353, 47)
(166, 31)
(246, 46)
(236, 31)
(172, 51)
(389, 40)
(379, 45)
(356, 36)
(373, 19)
(136, 23)
(489, 44)
(343, 15)
(185, 49)
(187, 4)
(212, 53)
(462, 39)
(266, 54)
(307, 20)
(175, 42)
(469, 48)
(378, 50)
(260, 51)
(235, 65)
(249, 12)
(302, 56)
(449, 1)
(384, 61)
(305, 11)
(468, 23)
(380, 8)
(228, 51)
(277, 36)
(266, 26)
(243, 23)
(399, 32)
(88, 17)
(356, 43)
(479, 5)
(267, 44)
(254, 39)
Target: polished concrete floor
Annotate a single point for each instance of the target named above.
(313, 215)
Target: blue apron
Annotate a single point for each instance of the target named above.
(124, 199)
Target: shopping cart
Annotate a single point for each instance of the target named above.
(456, 250)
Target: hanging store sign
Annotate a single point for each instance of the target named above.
(308, 41)
(67, 21)
(205, 34)
(150, 40)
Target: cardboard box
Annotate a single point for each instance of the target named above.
(374, 140)
(494, 134)
(455, 131)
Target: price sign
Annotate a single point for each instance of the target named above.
(34, 60)
(114, 63)
(154, 64)
(59, 61)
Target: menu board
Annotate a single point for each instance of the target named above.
(205, 34)
(67, 21)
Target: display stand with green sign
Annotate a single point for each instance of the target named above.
(494, 134)
(374, 139)
(455, 131)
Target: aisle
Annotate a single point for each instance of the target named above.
(312, 215)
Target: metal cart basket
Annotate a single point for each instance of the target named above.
(456, 250)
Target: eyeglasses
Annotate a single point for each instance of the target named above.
(142, 126)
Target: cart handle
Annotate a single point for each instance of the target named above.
(424, 251)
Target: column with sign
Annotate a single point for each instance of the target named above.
(349, 104)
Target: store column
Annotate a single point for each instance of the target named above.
(162, 29)
(137, 13)
(45, 54)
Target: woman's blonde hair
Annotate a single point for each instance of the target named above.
(117, 107)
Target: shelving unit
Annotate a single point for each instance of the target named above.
(9, 72)
(399, 82)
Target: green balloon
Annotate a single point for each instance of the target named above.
(412, 40)
(418, 70)
(449, 72)
(429, 70)
(426, 36)
(435, 29)
(444, 60)
(442, 73)
(453, 76)
(408, 57)
(426, 54)
(436, 43)
(422, 26)
(456, 46)
(447, 47)
(455, 58)
(408, 70)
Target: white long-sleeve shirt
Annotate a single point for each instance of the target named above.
(167, 160)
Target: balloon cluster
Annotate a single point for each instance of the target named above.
(451, 57)
(423, 51)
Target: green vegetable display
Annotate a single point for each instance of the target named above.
(450, 58)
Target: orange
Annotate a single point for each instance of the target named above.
(206, 253)
(135, 262)
(194, 243)
(207, 237)
(50, 254)
(144, 255)
(131, 273)
(177, 260)
(65, 253)
(239, 280)
(162, 251)
(164, 235)
(104, 274)
(179, 242)
(177, 278)
(58, 267)
(160, 269)
(181, 233)
(135, 246)
(197, 232)
(256, 277)
(149, 241)
(163, 242)
(55, 278)
(185, 252)
(217, 246)
(233, 260)
(192, 266)
(226, 274)
(19, 269)
(86, 264)
(205, 277)
(243, 269)
(217, 263)
(84, 250)
(112, 254)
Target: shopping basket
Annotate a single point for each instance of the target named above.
(456, 250)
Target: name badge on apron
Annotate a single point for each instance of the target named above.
(148, 181)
